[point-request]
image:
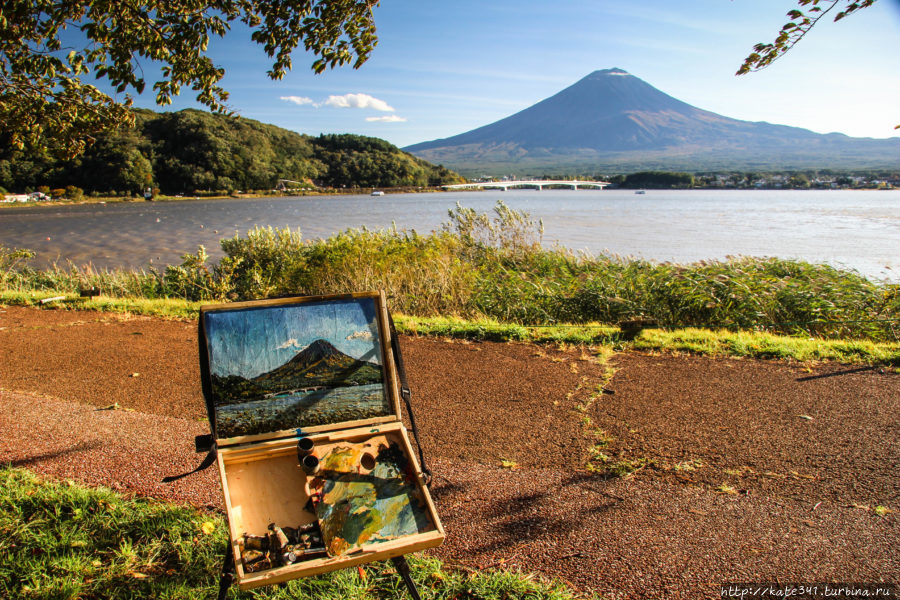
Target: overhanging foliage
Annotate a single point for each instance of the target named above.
(45, 102)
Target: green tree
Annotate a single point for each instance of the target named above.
(188, 150)
(658, 180)
(45, 104)
(114, 162)
(74, 193)
(799, 180)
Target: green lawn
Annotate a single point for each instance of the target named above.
(61, 540)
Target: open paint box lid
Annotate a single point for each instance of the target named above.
(295, 366)
(317, 470)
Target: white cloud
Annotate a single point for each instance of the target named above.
(299, 100)
(360, 335)
(358, 101)
(291, 343)
(387, 119)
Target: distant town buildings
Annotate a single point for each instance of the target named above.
(751, 181)
(735, 180)
(32, 197)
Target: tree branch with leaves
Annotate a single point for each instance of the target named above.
(796, 29)
(800, 24)
(45, 104)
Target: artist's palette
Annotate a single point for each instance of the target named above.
(367, 494)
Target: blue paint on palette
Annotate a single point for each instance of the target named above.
(360, 506)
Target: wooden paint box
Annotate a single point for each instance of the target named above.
(311, 379)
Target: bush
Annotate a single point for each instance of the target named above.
(422, 275)
(263, 264)
(193, 279)
(10, 260)
(74, 193)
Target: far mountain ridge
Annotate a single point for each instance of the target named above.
(612, 119)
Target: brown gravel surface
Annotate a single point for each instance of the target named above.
(756, 470)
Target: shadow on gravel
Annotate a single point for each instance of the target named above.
(837, 373)
(80, 447)
(593, 482)
(534, 516)
(516, 532)
(445, 490)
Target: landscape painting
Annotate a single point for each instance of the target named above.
(290, 366)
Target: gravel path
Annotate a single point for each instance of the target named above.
(805, 453)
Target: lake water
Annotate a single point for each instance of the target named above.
(302, 409)
(855, 229)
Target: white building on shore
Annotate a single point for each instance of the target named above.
(32, 197)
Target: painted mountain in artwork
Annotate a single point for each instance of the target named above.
(614, 120)
(319, 365)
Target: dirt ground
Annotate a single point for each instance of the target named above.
(746, 470)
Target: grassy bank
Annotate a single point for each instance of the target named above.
(493, 267)
(159, 307)
(767, 345)
(62, 540)
(708, 342)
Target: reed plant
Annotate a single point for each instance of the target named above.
(493, 266)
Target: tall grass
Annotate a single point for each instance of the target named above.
(493, 266)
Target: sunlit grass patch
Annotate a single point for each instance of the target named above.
(160, 307)
(750, 344)
(60, 540)
(492, 330)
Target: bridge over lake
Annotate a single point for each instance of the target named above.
(538, 184)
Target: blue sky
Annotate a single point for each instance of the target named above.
(442, 68)
(252, 342)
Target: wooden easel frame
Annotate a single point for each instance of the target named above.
(271, 452)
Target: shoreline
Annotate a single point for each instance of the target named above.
(392, 191)
(243, 196)
(138, 235)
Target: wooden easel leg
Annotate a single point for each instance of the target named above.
(227, 573)
(400, 565)
(403, 570)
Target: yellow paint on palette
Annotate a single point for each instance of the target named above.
(362, 506)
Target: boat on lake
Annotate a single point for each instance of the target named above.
(377, 193)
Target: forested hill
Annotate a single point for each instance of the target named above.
(192, 150)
